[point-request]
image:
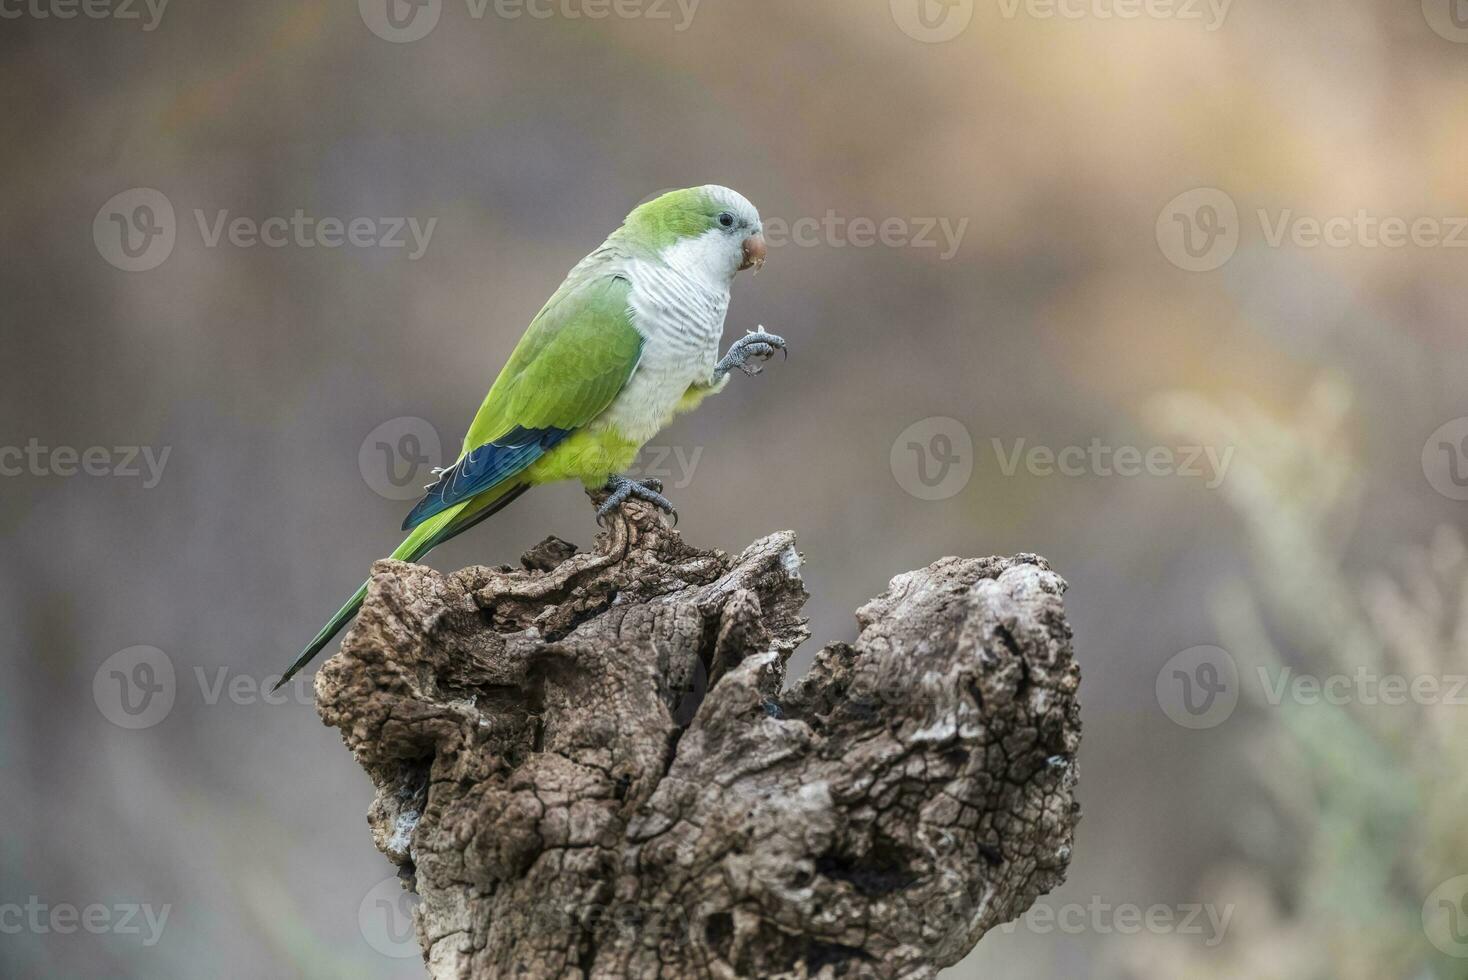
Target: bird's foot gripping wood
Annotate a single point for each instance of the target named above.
(753, 346)
(623, 489)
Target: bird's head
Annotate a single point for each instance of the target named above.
(710, 231)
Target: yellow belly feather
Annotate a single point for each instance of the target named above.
(597, 452)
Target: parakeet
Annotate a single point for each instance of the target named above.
(628, 341)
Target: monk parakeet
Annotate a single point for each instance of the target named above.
(627, 342)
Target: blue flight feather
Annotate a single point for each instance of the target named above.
(483, 468)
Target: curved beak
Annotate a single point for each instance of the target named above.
(754, 253)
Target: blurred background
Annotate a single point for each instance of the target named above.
(1171, 293)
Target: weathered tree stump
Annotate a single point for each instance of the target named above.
(589, 767)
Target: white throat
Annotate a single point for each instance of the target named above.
(707, 259)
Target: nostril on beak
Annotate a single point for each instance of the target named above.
(755, 251)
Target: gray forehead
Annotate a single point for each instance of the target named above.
(733, 201)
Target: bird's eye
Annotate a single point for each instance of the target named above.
(726, 219)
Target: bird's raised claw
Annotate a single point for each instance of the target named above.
(753, 346)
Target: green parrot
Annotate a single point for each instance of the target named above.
(628, 341)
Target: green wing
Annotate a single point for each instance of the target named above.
(573, 360)
(577, 354)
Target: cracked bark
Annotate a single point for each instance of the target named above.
(591, 767)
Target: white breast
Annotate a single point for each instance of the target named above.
(681, 318)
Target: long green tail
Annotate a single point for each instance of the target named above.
(331, 629)
(424, 538)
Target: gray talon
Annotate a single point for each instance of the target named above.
(754, 346)
(622, 489)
